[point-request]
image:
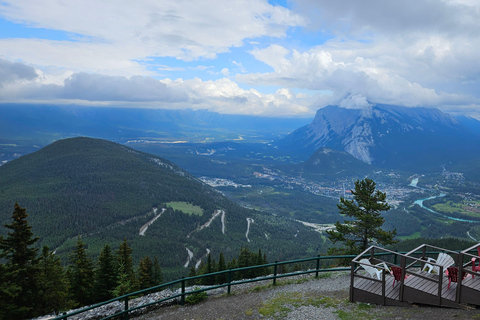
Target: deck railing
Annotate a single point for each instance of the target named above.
(412, 263)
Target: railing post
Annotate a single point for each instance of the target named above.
(318, 266)
(395, 258)
(182, 297)
(352, 274)
(372, 252)
(229, 280)
(403, 265)
(384, 300)
(440, 285)
(125, 315)
(460, 277)
(275, 273)
(424, 252)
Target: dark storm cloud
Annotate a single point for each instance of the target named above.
(13, 71)
(95, 87)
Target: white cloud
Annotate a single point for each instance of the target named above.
(413, 53)
(223, 95)
(114, 37)
(359, 77)
(225, 72)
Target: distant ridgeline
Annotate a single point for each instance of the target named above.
(106, 192)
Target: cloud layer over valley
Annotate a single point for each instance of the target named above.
(242, 57)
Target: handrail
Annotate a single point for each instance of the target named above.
(182, 282)
(230, 283)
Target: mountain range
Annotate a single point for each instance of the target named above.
(389, 136)
(105, 192)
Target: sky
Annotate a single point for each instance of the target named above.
(268, 58)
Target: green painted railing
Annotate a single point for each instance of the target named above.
(181, 283)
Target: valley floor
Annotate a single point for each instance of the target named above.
(325, 298)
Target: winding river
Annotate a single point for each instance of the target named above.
(420, 203)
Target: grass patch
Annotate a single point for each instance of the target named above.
(412, 236)
(196, 297)
(354, 315)
(283, 303)
(185, 207)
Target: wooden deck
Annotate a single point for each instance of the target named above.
(416, 290)
(418, 287)
(370, 291)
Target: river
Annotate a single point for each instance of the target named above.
(420, 203)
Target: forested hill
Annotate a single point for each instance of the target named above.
(105, 191)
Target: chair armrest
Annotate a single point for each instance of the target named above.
(383, 265)
(431, 260)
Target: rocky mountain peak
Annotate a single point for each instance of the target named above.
(382, 134)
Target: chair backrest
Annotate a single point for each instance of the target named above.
(397, 272)
(368, 266)
(453, 274)
(445, 260)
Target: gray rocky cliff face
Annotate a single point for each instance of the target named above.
(383, 134)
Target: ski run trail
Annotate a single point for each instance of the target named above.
(190, 255)
(146, 225)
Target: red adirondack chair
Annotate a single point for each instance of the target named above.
(453, 275)
(397, 274)
(474, 267)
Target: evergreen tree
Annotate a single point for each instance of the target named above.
(221, 278)
(192, 273)
(106, 275)
(81, 275)
(125, 263)
(9, 291)
(20, 271)
(53, 284)
(157, 272)
(124, 284)
(208, 269)
(364, 227)
(145, 273)
(245, 260)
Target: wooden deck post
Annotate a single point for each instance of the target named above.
(352, 272)
(460, 277)
(440, 286)
(424, 252)
(403, 265)
(384, 298)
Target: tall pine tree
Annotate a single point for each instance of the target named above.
(221, 278)
(106, 274)
(20, 272)
(81, 275)
(53, 284)
(126, 276)
(365, 220)
(157, 272)
(145, 273)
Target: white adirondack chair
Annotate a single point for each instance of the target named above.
(373, 269)
(443, 259)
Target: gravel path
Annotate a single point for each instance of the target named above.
(301, 298)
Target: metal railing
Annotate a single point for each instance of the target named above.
(230, 273)
(181, 284)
